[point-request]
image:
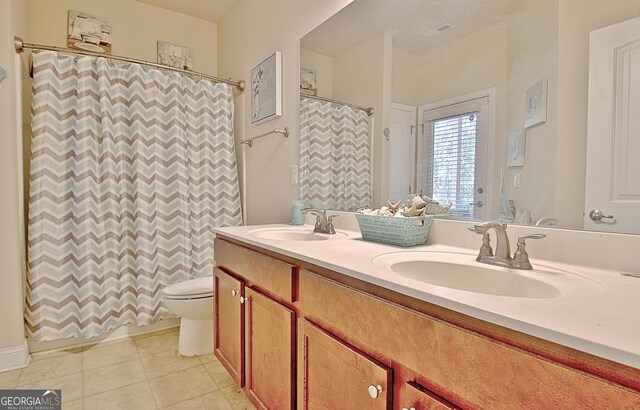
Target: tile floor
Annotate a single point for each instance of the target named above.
(142, 372)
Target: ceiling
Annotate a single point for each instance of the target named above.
(210, 10)
(408, 21)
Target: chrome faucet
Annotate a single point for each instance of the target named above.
(324, 223)
(502, 257)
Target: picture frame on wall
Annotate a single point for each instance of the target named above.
(515, 150)
(175, 55)
(266, 89)
(308, 81)
(88, 32)
(536, 104)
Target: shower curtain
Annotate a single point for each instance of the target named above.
(335, 158)
(131, 169)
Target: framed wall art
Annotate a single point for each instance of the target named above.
(308, 81)
(89, 33)
(536, 104)
(266, 89)
(515, 150)
(174, 55)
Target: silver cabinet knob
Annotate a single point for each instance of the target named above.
(234, 293)
(597, 215)
(374, 391)
(243, 299)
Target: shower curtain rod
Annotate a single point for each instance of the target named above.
(21, 45)
(368, 110)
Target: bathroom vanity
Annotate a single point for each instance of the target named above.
(327, 323)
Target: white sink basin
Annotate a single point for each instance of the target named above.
(460, 271)
(294, 234)
(477, 279)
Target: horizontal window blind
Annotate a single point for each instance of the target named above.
(452, 153)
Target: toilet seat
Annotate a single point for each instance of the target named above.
(190, 289)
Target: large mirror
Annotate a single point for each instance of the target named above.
(527, 111)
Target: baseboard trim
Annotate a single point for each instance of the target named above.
(14, 357)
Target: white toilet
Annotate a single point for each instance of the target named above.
(192, 300)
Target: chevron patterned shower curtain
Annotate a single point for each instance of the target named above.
(335, 158)
(130, 170)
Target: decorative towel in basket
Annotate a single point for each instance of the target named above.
(405, 231)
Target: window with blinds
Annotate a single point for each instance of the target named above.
(450, 162)
(452, 159)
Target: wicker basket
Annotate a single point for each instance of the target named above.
(410, 231)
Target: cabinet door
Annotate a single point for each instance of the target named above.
(270, 352)
(419, 398)
(229, 325)
(334, 375)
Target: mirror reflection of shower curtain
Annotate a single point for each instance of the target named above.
(335, 156)
(131, 168)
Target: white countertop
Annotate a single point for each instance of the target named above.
(597, 313)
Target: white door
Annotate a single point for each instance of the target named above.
(453, 156)
(612, 193)
(402, 151)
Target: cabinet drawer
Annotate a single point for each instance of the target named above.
(269, 274)
(419, 398)
(333, 375)
(461, 366)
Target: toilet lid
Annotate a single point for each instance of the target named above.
(200, 287)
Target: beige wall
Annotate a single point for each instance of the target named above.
(251, 31)
(533, 56)
(404, 81)
(13, 21)
(471, 63)
(136, 28)
(362, 76)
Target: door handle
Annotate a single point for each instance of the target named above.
(597, 215)
(479, 204)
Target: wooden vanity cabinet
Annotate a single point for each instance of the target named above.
(318, 340)
(255, 328)
(462, 367)
(334, 375)
(420, 398)
(229, 324)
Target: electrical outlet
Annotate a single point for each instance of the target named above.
(294, 174)
(516, 181)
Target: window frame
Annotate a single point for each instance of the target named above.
(452, 107)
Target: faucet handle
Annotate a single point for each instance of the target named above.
(521, 256)
(315, 212)
(521, 239)
(330, 228)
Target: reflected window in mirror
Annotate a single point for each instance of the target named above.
(452, 163)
